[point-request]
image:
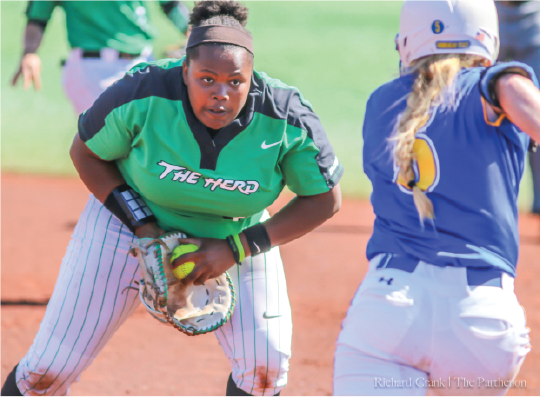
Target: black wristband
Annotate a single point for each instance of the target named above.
(258, 239)
(491, 86)
(128, 206)
(234, 248)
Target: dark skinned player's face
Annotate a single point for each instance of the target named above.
(218, 84)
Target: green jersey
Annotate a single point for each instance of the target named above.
(92, 25)
(205, 186)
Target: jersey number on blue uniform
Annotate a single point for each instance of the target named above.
(426, 166)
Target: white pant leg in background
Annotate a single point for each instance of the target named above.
(257, 339)
(84, 79)
(409, 333)
(89, 303)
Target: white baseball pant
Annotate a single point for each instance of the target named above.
(84, 79)
(429, 331)
(90, 302)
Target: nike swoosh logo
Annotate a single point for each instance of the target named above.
(267, 317)
(265, 146)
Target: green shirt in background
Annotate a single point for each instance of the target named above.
(121, 25)
(205, 186)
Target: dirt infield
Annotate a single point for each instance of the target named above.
(323, 270)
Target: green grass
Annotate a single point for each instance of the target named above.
(335, 52)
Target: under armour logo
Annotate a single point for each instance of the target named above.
(389, 281)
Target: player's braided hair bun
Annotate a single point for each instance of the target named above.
(227, 13)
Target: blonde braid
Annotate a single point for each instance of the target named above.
(435, 74)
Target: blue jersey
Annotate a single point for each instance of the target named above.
(469, 166)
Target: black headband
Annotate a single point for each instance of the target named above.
(220, 34)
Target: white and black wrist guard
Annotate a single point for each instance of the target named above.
(129, 207)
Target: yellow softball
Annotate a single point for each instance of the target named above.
(186, 268)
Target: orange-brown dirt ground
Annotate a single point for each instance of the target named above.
(323, 270)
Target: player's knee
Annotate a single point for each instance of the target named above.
(40, 381)
(46, 380)
(262, 385)
(267, 378)
(234, 390)
(275, 372)
(264, 380)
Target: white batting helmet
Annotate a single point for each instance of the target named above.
(448, 27)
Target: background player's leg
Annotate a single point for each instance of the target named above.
(85, 79)
(257, 340)
(90, 301)
(233, 390)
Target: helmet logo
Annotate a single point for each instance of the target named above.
(437, 26)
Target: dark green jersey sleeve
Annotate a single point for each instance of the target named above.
(111, 126)
(40, 10)
(307, 160)
(309, 165)
(113, 139)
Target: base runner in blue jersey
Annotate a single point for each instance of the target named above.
(201, 145)
(444, 147)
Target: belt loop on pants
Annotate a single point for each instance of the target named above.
(475, 276)
(108, 54)
(488, 277)
(405, 263)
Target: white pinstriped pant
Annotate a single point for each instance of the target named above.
(90, 303)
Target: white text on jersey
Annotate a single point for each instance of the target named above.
(181, 174)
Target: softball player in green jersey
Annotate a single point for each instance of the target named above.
(204, 145)
(107, 39)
